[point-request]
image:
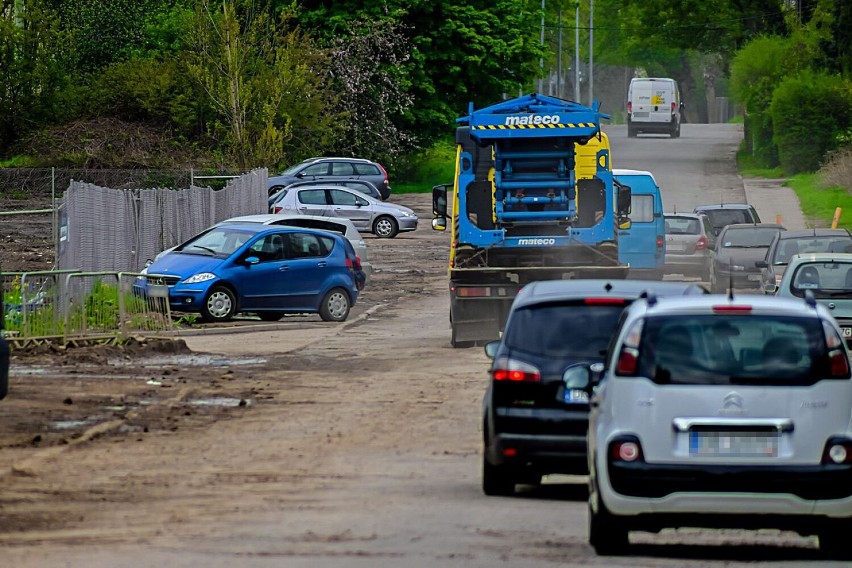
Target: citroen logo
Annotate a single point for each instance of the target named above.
(732, 400)
(831, 306)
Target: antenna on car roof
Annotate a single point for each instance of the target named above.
(649, 296)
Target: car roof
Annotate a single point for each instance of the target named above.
(270, 218)
(685, 214)
(753, 226)
(759, 304)
(336, 158)
(723, 206)
(258, 228)
(820, 257)
(805, 233)
(557, 290)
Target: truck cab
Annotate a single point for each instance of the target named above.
(642, 242)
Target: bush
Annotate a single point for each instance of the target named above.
(808, 111)
(430, 167)
(837, 171)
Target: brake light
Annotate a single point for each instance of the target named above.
(473, 292)
(732, 309)
(277, 209)
(838, 363)
(660, 242)
(358, 263)
(702, 243)
(384, 173)
(626, 449)
(628, 361)
(837, 451)
(629, 106)
(673, 108)
(604, 301)
(515, 371)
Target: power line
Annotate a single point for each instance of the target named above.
(707, 25)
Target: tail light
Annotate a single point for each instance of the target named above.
(277, 209)
(628, 358)
(629, 107)
(604, 301)
(515, 371)
(702, 243)
(626, 449)
(358, 263)
(384, 173)
(838, 363)
(673, 107)
(660, 242)
(837, 451)
(731, 309)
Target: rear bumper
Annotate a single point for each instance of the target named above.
(739, 279)
(687, 264)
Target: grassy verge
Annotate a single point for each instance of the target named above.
(819, 203)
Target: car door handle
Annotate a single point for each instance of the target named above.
(284, 268)
(322, 263)
(303, 208)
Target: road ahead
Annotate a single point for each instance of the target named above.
(359, 445)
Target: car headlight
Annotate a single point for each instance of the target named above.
(405, 214)
(200, 277)
(737, 267)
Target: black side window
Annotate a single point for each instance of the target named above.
(316, 170)
(304, 245)
(342, 169)
(366, 169)
(339, 197)
(312, 196)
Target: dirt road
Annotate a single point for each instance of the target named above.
(296, 444)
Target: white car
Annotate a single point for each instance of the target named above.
(724, 413)
(385, 220)
(335, 225)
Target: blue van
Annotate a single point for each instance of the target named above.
(643, 244)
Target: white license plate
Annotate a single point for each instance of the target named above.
(733, 444)
(639, 114)
(754, 277)
(675, 247)
(576, 396)
(847, 331)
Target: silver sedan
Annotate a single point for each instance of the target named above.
(383, 219)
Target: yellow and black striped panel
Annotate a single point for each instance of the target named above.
(526, 126)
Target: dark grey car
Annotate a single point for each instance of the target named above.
(724, 214)
(790, 243)
(332, 170)
(739, 249)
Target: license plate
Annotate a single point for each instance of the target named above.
(754, 277)
(734, 444)
(576, 396)
(640, 115)
(847, 331)
(675, 247)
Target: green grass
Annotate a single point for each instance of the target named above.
(748, 166)
(819, 203)
(418, 172)
(413, 187)
(19, 162)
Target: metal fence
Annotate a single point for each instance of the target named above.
(67, 306)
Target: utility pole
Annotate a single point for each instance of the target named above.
(577, 52)
(541, 59)
(591, 52)
(559, 60)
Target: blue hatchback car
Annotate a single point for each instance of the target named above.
(261, 269)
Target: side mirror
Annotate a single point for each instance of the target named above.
(491, 348)
(625, 223)
(576, 377)
(252, 260)
(300, 175)
(596, 372)
(623, 201)
(761, 264)
(771, 289)
(439, 200)
(439, 223)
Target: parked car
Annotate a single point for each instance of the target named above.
(722, 413)
(262, 269)
(334, 224)
(790, 243)
(535, 414)
(828, 276)
(332, 170)
(728, 213)
(384, 220)
(362, 186)
(739, 249)
(689, 244)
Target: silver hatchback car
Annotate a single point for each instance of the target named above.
(689, 244)
(724, 413)
(383, 219)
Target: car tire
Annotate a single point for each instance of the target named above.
(834, 541)
(385, 227)
(607, 535)
(270, 316)
(274, 189)
(335, 305)
(631, 132)
(219, 305)
(497, 480)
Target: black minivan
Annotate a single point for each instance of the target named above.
(536, 407)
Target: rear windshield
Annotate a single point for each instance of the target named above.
(565, 330)
(722, 217)
(824, 279)
(734, 350)
(748, 237)
(682, 226)
(788, 247)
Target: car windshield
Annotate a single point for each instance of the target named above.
(219, 241)
(564, 330)
(788, 247)
(722, 217)
(734, 350)
(748, 237)
(279, 196)
(682, 226)
(823, 279)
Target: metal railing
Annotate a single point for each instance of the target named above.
(64, 306)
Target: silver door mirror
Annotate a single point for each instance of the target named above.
(576, 377)
(491, 348)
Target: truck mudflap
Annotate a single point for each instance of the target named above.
(478, 312)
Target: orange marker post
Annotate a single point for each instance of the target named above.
(836, 219)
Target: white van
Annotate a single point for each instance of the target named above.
(653, 106)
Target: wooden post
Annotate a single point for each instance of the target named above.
(836, 219)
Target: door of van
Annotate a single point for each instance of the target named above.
(642, 246)
(652, 100)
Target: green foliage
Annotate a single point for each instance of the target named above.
(818, 203)
(808, 111)
(428, 167)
